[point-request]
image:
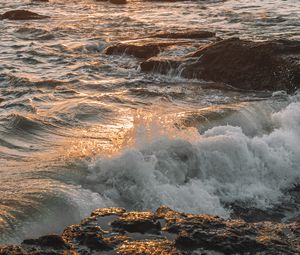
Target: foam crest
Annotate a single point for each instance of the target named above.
(222, 166)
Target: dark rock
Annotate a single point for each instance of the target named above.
(142, 222)
(182, 234)
(186, 35)
(22, 15)
(139, 51)
(94, 241)
(160, 65)
(246, 65)
(118, 1)
(89, 236)
(54, 241)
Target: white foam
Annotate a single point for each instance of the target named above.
(223, 165)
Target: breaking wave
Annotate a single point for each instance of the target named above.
(221, 166)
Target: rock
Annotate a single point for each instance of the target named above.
(108, 211)
(12, 250)
(43, 1)
(157, 247)
(162, 65)
(118, 1)
(139, 51)
(165, 232)
(22, 15)
(186, 35)
(53, 241)
(142, 222)
(246, 65)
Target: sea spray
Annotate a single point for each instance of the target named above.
(222, 166)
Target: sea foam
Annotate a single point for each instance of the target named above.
(200, 175)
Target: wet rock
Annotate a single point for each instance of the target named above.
(162, 65)
(12, 250)
(53, 241)
(139, 51)
(246, 65)
(108, 211)
(142, 222)
(22, 15)
(118, 1)
(156, 247)
(165, 232)
(186, 35)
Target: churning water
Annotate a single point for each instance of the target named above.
(81, 130)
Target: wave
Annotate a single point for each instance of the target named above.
(224, 165)
(38, 210)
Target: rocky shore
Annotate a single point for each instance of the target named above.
(165, 231)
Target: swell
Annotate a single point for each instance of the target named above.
(203, 174)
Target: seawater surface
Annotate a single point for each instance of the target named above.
(81, 130)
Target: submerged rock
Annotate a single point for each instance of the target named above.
(139, 51)
(55, 242)
(22, 15)
(114, 1)
(164, 232)
(247, 65)
(118, 1)
(186, 35)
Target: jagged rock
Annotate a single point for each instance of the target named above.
(22, 15)
(12, 250)
(142, 222)
(108, 211)
(247, 65)
(186, 35)
(164, 232)
(53, 241)
(156, 247)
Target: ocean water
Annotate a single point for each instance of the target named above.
(81, 130)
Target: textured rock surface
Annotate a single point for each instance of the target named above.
(192, 34)
(22, 15)
(114, 231)
(248, 65)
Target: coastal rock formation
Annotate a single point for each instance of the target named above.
(143, 50)
(192, 34)
(115, 231)
(22, 15)
(114, 1)
(270, 65)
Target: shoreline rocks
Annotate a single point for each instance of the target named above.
(246, 65)
(115, 231)
(22, 15)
